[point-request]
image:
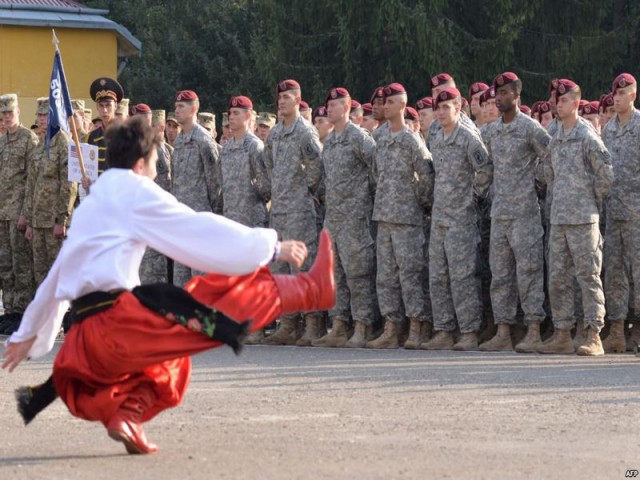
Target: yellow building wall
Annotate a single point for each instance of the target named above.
(26, 60)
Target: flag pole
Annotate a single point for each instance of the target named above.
(74, 132)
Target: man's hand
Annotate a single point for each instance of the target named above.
(293, 252)
(59, 231)
(86, 183)
(16, 353)
(29, 234)
(22, 223)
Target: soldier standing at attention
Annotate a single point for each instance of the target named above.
(515, 142)
(369, 123)
(292, 158)
(305, 111)
(475, 91)
(424, 108)
(463, 169)
(173, 128)
(357, 113)
(196, 168)
(377, 107)
(322, 123)
(580, 172)
(621, 136)
(49, 197)
(266, 121)
(16, 274)
(347, 157)
(404, 186)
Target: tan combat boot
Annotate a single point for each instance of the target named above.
(592, 346)
(615, 341)
(419, 332)
(255, 338)
(501, 342)
(532, 339)
(361, 333)
(286, 334)
(580, 336)
(337, 337)
(389, 337)
(559, 343)
(441, 341)
(467, 342)
(315, 327)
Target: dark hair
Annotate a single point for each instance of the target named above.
(129, 141)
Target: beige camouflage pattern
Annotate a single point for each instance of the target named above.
(15, 152)
(44, 248)
(245, 183)
(16, 273)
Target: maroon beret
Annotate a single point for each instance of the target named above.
(545, 107)
(355, 105)
(621, 81)
(424, 103)
(410, 113)
(449, 93)
(393, 89)
(525, 109)
(583, 103)
(553, 84)
(504, 79)
(336, 93)
(367, 109)
(535, 108)
(241, 102)
(606, 101)
(304, 105)
(590, 108)
(377, 93)
(287, 85)
(565, 86)
(320, 112)
(477, 87)
(186, 96)
(140, 108)
(488, 94)
(439, 79)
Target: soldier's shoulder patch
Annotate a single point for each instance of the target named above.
(479, 157)
(311, 148)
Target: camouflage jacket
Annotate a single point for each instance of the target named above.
(196, 171)
(245, 186)
(463, 170)
(436, 127)
(292, 159)
(579, 167)
(164, 166)
(15, 152)
(623, 142)
(49, 196)
(403, 175)
(515, 148)
(347, 158)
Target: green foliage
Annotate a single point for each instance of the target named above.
(222, 48)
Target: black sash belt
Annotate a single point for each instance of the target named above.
(167, 300)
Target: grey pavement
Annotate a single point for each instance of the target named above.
(296, 413)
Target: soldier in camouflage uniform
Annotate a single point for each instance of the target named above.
(196, 168)
(172, 128)
(322, 123)
(621, 136)
(347, 157)
(154, 266)
(49, 197)
(292, 158)
(515, 142)
(266, 121)
(369, 123)
(122, 110)
(16, 273)
(462, 168)
(377, 109)
(580, 168)
(404, 179)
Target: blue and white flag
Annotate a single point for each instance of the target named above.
(60, 109)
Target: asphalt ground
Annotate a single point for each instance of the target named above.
(310, 413)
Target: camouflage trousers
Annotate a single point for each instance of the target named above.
(153, 268)
(182, 274)
(426, 228)
(16, 270)
(44, 248)
(517, 269)
(622, 267)
(399, 279)
(300, 226)
(576, 250)
(354, 271)
(454, 278)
